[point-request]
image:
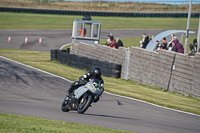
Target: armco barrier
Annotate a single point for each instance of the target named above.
(95, 13)
(108, 69)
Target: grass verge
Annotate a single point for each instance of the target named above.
(10, 123)
(94, 5)
(42, 21)
(128, 88)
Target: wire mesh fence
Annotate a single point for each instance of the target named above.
(107, 5)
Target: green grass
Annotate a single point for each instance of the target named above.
(118, 86)
(10, 123)
(41, 21)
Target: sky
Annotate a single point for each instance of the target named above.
(173, 2)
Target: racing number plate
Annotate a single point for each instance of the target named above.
(92, 87)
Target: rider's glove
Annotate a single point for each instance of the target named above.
(82, 81)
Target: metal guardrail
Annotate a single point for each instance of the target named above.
(96, 13)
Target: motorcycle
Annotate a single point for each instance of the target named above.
(82, 98)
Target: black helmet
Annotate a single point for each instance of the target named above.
(96, 72)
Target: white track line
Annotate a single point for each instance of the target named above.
(105, 92)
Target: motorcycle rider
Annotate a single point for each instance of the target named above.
(96, 73)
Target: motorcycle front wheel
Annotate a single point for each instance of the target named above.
(64, 106)
(84, 104)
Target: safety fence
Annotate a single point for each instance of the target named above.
(64, 57)
(164, 69)
(96, 13)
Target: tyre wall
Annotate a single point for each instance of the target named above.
(96, 13)
(108, 69)
(101, 52)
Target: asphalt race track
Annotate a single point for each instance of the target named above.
(27, 91)
(54, 39)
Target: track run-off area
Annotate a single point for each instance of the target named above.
(28, 91)
(31, 92)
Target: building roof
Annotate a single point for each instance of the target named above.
(166, 33)
(87, 21)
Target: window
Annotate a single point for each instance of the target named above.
(95, 31)
(84, 29)
(88, 27)
(80, 27)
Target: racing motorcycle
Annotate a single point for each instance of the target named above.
(82, 98)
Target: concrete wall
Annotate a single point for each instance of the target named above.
(186, 75)
(150, 68)
(196, 77)
(163, 69)
(100, 52)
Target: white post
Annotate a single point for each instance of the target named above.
(198, 36)
(181, 37)
(188, 26)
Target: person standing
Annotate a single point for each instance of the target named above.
(164, 45)
(158, 46)
(177, 47)
(169, 45)
(193, 48)
(112, 42)
(108, 42)
(82, 33)
(144, 41)
(119, 43)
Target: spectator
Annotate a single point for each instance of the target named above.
(151, 37)
(108, 42)
(112, 42)
(177, 47)
(144, 41)
(81, 32)
(193, 48)
(150, 40)
(158, 46)
(119, 43)
(164, 45)
(169, 45)
(195, 44)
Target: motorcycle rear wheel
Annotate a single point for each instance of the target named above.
(64, 106)
(85, 105)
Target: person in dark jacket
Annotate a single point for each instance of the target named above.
(108, 41)
(177, 47)
(158, 46)
(118, 43)
(144, 41)
(112, 42)
(164, 44)
(193, 48)
(96, 73)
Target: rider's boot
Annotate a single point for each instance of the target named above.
(72, 87)
(69, 91)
